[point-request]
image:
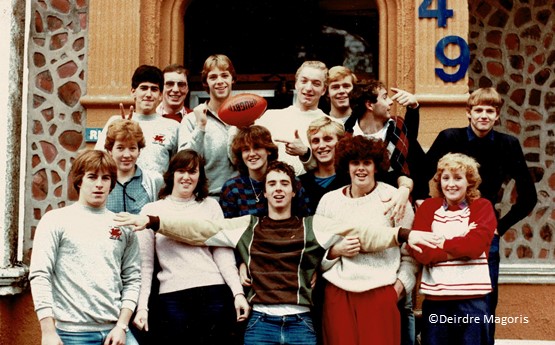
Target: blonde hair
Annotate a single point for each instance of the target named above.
(314, 64)
(126, 131)
(339, 72)
(454, 162)
(327, 125)
(485, 96)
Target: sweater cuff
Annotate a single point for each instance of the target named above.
(153, 223)
(44, 313)
(403, 235)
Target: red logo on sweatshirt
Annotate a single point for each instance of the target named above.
(115, 233)
(159, 138)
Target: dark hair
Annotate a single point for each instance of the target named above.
(253, 136)
(147, 74)
(358, 147)
(174, 67)
(283, 167)
(366, 91)
(92, 160)
(124, 130)
(186, 159)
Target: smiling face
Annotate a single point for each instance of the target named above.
(256, 159)
(94, 188)
(482, 119)
(454, 185)
(185, 182)
(278, 190)
(322, 145)
(310, 86)
(125, 153)
(175, 90)
(362, 175)
(219, 83)
(147, 97)
(338, 92)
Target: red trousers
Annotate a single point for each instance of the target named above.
(361, 318)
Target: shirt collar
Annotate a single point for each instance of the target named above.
(472, 136)
(462, 205)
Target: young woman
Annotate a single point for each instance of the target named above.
(360, 299)
(135, 187)
(455, 277)
(197, 284)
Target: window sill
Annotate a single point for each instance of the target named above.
(13, 280)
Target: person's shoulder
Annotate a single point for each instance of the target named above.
(505, 137)
(432, 202)
(480, 203)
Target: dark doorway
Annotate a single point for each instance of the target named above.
(268, 40)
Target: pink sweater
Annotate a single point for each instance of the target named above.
(184, 266)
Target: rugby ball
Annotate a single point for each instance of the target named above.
(242, 109)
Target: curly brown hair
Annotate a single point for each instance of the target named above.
(353, 148)
(454, 162)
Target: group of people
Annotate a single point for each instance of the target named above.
(298, 229)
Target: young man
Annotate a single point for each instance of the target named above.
(500, 157)
(341, 81)
(371, 118)
(203, 131)
(282, 252)
(288, 126)
(85, 270)
(175, 92)
(160, 133)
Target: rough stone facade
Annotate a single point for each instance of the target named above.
(56, 120)
(512, 49)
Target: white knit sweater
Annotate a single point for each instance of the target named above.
(368, 271)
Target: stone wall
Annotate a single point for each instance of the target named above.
(56, 120)
(513, 49)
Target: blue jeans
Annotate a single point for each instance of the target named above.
(91, 338)
(493, 296)
(202, 315)
(296, 329)
(408, 322)
(467, 326)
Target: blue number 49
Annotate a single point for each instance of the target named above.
(441, 13)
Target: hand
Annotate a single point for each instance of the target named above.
(424, 238)
(398, 203)
(242, 307)
(122, 110)
(51, 338)
(116, 337)
(244, 275)
(404, 98)
(294, 147)
(200, 115)
(139, 222)
(141, 320)
(349, 246)
(313, 280)
(399, 289)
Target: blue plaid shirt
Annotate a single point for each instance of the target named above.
(130, 196)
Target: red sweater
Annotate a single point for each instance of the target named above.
(466, 273)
